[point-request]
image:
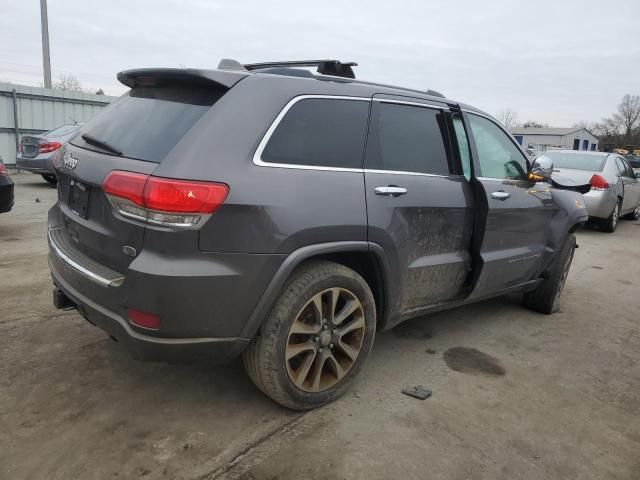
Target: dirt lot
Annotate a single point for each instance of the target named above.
(517, 395)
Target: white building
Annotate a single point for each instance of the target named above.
(553, 138)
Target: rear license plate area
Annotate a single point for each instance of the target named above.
(79, 198)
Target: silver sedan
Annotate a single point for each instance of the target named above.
(36, 152)
(615, 187)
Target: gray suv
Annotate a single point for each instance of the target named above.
(287, 216)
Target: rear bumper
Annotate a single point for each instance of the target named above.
(203, 301)
(39, 164)
(148, 348)
(599, 203)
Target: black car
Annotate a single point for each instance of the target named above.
(634, 161)
(6, 189)
(287, 216)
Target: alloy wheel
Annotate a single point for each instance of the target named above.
(325, 339)
(614, 215)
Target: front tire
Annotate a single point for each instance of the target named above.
(545, 298)
(316, 338)
(52, 179)
(609, 225)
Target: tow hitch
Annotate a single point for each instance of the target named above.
(61, 301)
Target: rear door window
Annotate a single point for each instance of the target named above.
(147, 122)
(624, 168)
(630, 171)
(406, 138)
(322, 132)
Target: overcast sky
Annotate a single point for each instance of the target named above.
(553, 61)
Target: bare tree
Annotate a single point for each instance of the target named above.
(608, 127)
(534, 124)
(69, 83)
(590, 126)
(508, 118)
(628, 116)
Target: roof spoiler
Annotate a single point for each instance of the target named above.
(151, 77)
(334, 68)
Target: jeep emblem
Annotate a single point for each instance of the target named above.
(69, 161)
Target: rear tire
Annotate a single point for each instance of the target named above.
(545, 298)
(316, 338)
(609, 225)
(52, 179)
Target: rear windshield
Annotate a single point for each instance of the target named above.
(578, 161)
(147, 122)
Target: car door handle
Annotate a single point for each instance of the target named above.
(390, 190)
(500, 195)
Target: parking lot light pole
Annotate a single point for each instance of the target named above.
(46, 60)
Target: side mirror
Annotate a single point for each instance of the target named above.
(541, 170)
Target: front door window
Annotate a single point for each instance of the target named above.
(497, 153)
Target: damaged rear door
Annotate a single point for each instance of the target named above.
(419, 205)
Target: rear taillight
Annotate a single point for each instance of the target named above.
(48, 147)
(163, 201)
(3, 169)
(598, 182)
(126, 186)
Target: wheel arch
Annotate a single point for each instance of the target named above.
(366, 258)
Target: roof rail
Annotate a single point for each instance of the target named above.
(335, 68)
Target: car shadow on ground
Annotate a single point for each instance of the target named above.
(98, 366)
(228, 383)
(36, 182)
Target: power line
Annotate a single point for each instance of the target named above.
(36, 69)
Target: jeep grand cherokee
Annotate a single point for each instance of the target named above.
(287, 216)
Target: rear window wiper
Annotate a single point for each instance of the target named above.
(100, 144)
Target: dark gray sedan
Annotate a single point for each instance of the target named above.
(36, 152)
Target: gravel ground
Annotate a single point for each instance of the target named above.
(516, 395)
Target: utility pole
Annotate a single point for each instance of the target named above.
(46, 60)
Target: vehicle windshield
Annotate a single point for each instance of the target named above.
(578, 161)
(64, 130)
